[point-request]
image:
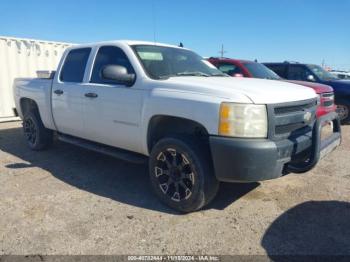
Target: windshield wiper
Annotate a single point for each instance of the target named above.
(192, 74)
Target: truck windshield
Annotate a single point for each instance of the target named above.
(162, 62)
(260, 71)
(321, 73)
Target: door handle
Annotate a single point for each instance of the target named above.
(91, 95)
(58, 92)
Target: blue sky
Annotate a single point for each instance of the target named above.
(268, 30)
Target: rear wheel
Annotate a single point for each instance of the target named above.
(38, 137)
(181, 173)
(343, 110)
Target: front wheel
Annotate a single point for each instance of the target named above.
(181, 173)
(343, 110)
(38, 137)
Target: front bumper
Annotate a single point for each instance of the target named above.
(251, 160)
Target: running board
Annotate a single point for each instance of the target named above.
(104, 149)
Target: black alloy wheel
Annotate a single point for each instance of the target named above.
(30, 131)
(174, 174)
(181, 173)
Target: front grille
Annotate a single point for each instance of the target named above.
(331, 94)
(282, 129)
(327, 99)
(327, 103)
(288, 109)
(291, 119)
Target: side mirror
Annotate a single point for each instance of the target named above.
(311, 78)
(118, 74)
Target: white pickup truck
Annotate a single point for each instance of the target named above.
(195, 125)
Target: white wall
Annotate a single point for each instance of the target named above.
(22, 58)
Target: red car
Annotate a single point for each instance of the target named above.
(244, 68)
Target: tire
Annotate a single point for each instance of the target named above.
(181, 173)
(343, 110)
(37, 136)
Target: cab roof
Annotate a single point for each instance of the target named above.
(126, 42)
(226, 59)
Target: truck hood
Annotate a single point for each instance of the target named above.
(259, 91)
(319, 88)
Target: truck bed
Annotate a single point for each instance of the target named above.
(37, 89)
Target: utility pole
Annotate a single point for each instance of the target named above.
(222, 51)
(154, 18)
(323, 63)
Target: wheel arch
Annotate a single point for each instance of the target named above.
(161, 126)
(27, 105)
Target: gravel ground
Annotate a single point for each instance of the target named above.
(67, 200)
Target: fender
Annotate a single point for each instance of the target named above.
(195, 107)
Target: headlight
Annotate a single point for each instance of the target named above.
(243, 120)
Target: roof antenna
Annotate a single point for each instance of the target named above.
(154, 21)
(181, 44)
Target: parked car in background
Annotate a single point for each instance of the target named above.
(245, 68)
(341, 74)
(167, 105)
(316, 74)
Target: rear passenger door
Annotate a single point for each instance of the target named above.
(279, 69)
(68, 93)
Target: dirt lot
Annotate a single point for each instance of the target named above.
(71, 201)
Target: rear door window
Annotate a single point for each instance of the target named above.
(74, 65)
(279, 69)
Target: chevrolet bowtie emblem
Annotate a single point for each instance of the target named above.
(307, 117)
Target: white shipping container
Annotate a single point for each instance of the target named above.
(22, 58)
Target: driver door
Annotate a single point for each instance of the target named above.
(299, 72)
(112, 111)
